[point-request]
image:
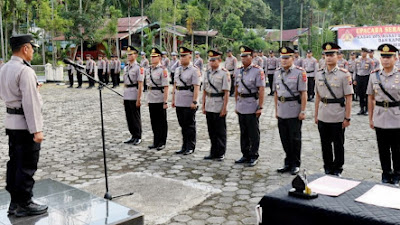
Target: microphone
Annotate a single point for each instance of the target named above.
(70, 62)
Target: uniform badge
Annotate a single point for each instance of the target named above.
(181, 50)
(242, 49)
(210, 54)
(349, 80)
(153, 51)
(165, 73)
(141, 70)
(396, 81)
(304, 76)
(262, 75)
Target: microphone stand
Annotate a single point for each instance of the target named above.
(107, 195)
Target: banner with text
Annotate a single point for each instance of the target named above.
(356, 38)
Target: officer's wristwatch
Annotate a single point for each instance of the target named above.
(195, 102)
(348, 119)
(165, 103)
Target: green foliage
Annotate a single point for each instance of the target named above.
(233, 27)
(319, 37)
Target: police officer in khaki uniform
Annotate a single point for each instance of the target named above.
(231, 66)
(342, 62)
(215, 101)
(265, 61)
(351, 68)
(19, 89)
(290, 88)
(90, 70)
(117, 70)
(79, 74)
(257, 60)
(377, 64)
(198, 61)
(249, 97)
(173, 64)
(165, 60)
(70, 75)
(273, 64)
(334, 91)
(101, 69)
(310, 64)
(144, 63)
(133, 81)
(363, 69)
(384, 107)
(157, 97)
(297, 60)
(184, 97)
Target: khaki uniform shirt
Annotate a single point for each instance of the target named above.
(258, 61)
(273, 64)
(363, 67)
(310, 65)
(172, 62)
(296, 79)
(117, 66)
(343, 64)
(101, 64)
(321, 64)
(191, 76)
(352, 66)
(154, 76)
(90, 66)
(265, 63)
(199, 63)
(165, 62)
(19, 89)
(231, 64)
(376, 63)
(253, 76)
(144, 63)
(387, 118)
(136, 74)
(174, 66)
(340, 81)
(298, 61)
(221, 80)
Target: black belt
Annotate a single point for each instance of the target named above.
(351, 71)
(231, 70)
(387, 104)
(180, 88)
(254, 95)
(272, 69)
(332, 100)
(155, 88)
(212, 95)
(132, 85)
(289, 99)
(310, 71)
(18, 111)
(363, 75)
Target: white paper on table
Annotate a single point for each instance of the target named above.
(332, 186)
(383, 196)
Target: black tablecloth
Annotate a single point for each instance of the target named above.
(281, 209)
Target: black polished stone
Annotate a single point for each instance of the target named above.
(70, 206)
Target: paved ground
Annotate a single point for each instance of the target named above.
(71, 153)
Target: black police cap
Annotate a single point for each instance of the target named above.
(20, 39)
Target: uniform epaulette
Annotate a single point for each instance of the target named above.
(344, 70)
(374, 71)
(240, 67)
(300, 68)
(257, 66)
(278, 68)
(224, 69)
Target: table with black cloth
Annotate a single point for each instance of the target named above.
(281, 209)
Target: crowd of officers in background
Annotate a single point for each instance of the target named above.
(332, 82)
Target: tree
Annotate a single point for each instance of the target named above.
(233, 27)
(256, 15)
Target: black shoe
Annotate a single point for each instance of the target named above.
(70, 86)
(151, 146)
(242, 160)
(294, 170)
(161, 147)
(271, 94)
(396, 180)
(180, 151)
(12, 208)
(220, 158)
(30, 209)
(130, 140)
(137, 141)
(284, 169)
(90, 87)
(387, 178)
(79, 87)
(209, 157)
(365, 113)
(338, 174)
(328, 172)
(252, 162)
(188, 152)
(361, 112)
